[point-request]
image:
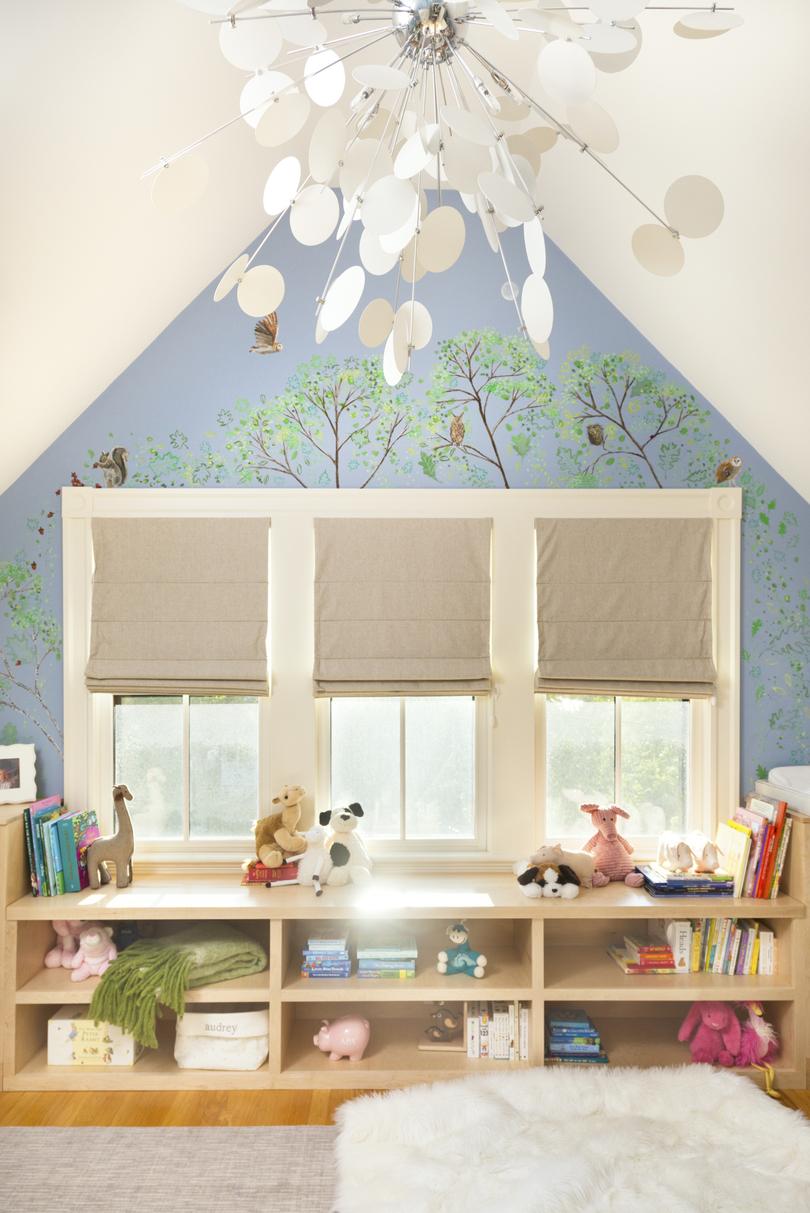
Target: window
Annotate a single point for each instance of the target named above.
(194, 761)
(629, 751)
(410, 762)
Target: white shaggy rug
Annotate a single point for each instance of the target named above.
(683, 1140)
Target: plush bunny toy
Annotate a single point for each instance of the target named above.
(717, 1033)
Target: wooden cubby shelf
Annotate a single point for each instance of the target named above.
(541, 952)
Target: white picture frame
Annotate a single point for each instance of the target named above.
(18, 774)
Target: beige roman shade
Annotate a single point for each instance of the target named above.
(624, 606)
(402, 606)
(179, 606)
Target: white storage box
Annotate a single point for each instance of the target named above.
(222, 1037)
(75, 1040)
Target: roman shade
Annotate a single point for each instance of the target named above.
(402, 606)
(624, 606)
(179, 606)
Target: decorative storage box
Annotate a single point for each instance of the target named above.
(75, 1040)
(222, 1037)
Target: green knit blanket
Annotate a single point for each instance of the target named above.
(154, 973)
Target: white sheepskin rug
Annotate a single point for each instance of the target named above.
(682, 1140)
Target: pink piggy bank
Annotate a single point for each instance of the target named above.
(344, 1037)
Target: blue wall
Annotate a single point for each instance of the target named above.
(196, 405)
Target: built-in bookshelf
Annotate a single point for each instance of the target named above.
(541, 953)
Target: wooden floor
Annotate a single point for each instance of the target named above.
(147, 1109)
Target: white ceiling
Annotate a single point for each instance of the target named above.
(92, 91)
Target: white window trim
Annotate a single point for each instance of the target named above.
(513, 812)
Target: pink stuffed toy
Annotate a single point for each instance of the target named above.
(759, 1043)
(63, 951)
(717, 1038)
(96, 951)
(610, 851)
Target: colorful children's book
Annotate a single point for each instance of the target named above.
(41, 810)
(734, 843)
(55, 852)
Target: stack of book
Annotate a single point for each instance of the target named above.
(326, 956)
(388, 957)
(56, 841)
(660, 882)
(572, 1036)
(498, 1031)
(641, 957)
(762, 830)
(257, 873)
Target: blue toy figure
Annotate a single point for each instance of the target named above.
(461, 958)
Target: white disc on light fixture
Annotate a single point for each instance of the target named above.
(365, 162)
(411, 157)
(250, 44)
(511, 110)
(260, 291)
(376, 322)
(301, 30)
(379, 76)
(529, 147)
(507, 198)
(534, 239)
(712, 21)
(468, 126)
(441, 239)
(411, 262)
(498, 18)
(619, 62)
(342, 298)
(594, 125)
(180, 184)
(566, 72)
(282, 119)
(537, 308)
(392, 373)
(416, 322)
(282, 185)
(509, 291)
(557, 22)
(320, 332)
(463, 162)
(258, 94)
(617, 10)
(487, 221)
(326, 145)
(542, 348)
(606, 39)
(374, 257)
(400, 344)
(657, 250)
(388, 204)
(694, 205)
(394, 242)
(324, 77)
(314, 214)
(231, 277)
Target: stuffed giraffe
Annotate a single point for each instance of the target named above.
(611, 852)
(117, 847)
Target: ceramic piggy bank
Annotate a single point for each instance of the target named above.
(344, 1037)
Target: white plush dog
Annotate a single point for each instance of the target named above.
(348, 859)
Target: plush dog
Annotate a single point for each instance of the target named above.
(553, 854)
(349, 859)
(277, 834)
(550, 881)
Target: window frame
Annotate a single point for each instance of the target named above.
(513, 813)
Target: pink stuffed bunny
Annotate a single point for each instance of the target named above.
(610, 851)
(96, 951)
(63, 951)
(717, 1039)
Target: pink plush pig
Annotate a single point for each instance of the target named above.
(344, 1037)
(95, 953)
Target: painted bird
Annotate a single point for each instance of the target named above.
(266, 332)
(728, 470)
(596, 434)
(457, 430)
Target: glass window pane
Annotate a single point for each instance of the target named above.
(148, 740)
(365, 761)
(440, 767)
(655, 762)
(580, 761)
(224, 756)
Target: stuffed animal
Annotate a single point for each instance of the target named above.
(552, 853)
(759, 1043)
(550, 881)
(349, 859)
(315, 865)
(674, 852)
(707, 856)
(63, 951)
(610, 851)
(717, 1033)
(95, 953)
(462, 957)
(447, 1025)
(277, 834)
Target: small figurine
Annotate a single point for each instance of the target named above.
(446, 1025)
(461, 958)
(347, 1036)
(117, 847)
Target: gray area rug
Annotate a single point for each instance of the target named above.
(182, 1170)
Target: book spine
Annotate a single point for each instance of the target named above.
(484, 1034)
(765, 966)
(512, 1030)
(67, 845)
(500, 1022)
(781, 856)
(473, 1024)
(753, 863)
(767, 843)
(50, 883)
(56, 855)
(29, 847)
(697, 943)
(681, 944)
(735, 950)
(386, 974)
(523, 1033)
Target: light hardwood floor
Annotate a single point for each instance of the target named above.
(149, 1109)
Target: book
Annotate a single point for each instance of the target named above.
(500, 1032)
(386, 974)
(569, 1017)
(561, 1048)
(259, 873)
(523, 1032)
(484, 1027)
(678, 934)
(640, 951)
(55, 852)
(626, 965)
(327, 943)
(371, 965)
(599, 1058)
(85, 831)
(388, 948)
(781, 855)
(512, 1030)
(734, 843)
(37, 812)
(67, 847)
(472, 1025)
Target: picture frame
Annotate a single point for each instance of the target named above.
(18, 774)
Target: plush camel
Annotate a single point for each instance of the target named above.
(610, 851)
(277, 834)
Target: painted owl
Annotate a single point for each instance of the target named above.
(596, 434)
(266, 332)
(728, 470)
(457, 430)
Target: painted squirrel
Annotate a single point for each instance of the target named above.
(114, 465)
